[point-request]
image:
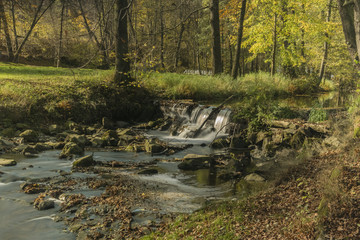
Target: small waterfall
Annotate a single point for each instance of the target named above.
(222, 119)
(188, 117)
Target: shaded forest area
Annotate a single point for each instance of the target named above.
(294, 38)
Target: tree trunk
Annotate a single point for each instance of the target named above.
(58, 57)
(122, 64)
(347, 14)
(273, 62)
(198, 59)
(216, 45)
(6, 31)
(14, 24)
(236, 66)
(326, 47)
(178, 45)
(161, 38)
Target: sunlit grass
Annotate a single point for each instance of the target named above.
(22, 85)
(177, 86)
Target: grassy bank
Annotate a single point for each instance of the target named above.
(49, 93)
(180, 86)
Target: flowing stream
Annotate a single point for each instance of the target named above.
(187, 189)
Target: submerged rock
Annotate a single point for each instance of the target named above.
(195, 162)
(7, 162)
(148, 172)
(86, 161)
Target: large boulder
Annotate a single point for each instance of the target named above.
(30, 136)
(7, 162)
(86, 161)
(195, 162)
(70, 149)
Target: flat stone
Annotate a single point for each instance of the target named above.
(7, 162)
(253, 177)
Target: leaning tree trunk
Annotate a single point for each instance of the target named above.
(122, 64)
(236, 66)
(326, 48)
(216, 43)
(178, 45)
(6, 31)
(38, 15)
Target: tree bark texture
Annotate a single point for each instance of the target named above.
(236, 66)
(273, 62)
(326, 47)
(122, 64)
(216, 43)
(5, 27)
(349, 13)
(58, 56)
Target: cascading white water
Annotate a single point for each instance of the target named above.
(222, 119)
(190, 121)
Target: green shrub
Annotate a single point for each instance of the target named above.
(317, 114)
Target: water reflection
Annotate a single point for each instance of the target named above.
(326, 100)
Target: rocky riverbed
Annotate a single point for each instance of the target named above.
(129, 182)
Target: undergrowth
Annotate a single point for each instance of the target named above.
(182, 86)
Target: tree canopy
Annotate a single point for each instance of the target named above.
(281, 36)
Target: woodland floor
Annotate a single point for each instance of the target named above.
(320, 199)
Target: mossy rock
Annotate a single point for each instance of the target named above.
(153, 146)
(110, 134)
(85, 161)
(71, 149)
(78, 139)
(30, 136)
(40, 147)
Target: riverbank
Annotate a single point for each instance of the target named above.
(316, 199)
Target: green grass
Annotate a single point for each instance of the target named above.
(23, 85)
(180, 86)
(62, 93)
(220, 221)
